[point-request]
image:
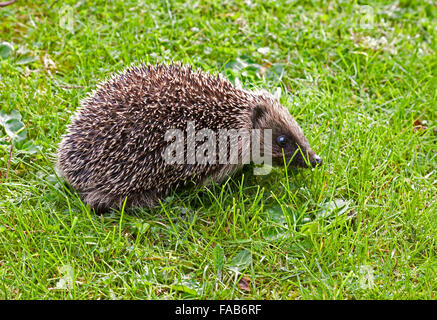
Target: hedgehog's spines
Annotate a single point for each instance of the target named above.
(113, 147)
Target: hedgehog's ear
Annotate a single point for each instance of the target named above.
(258, 113)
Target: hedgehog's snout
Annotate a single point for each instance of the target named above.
(316, 161)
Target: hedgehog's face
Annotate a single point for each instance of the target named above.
(285, 147)
(288, 141)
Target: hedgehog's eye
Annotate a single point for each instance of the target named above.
(282, 141)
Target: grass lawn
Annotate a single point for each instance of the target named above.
(360, 78)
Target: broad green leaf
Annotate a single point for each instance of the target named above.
(14, 114)
(16, 130)
(26, 60)
(276, 214)
(273, 233)
(333, 208)
(30, 148)
(275, 72)
(13, 125)
(241, 261)
(183, 288)
(218, 255)
(310, 228)
(187, 285)
(6, 50)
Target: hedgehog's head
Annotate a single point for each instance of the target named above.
(288, 139)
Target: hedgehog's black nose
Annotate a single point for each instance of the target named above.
(316, 161)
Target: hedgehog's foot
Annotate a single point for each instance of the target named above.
(102, 202)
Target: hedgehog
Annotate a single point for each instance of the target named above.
(113, 152)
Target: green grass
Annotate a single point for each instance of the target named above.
(359, 77)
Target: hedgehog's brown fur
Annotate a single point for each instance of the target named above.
(114, 145)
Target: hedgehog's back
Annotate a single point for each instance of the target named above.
(114, 145)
